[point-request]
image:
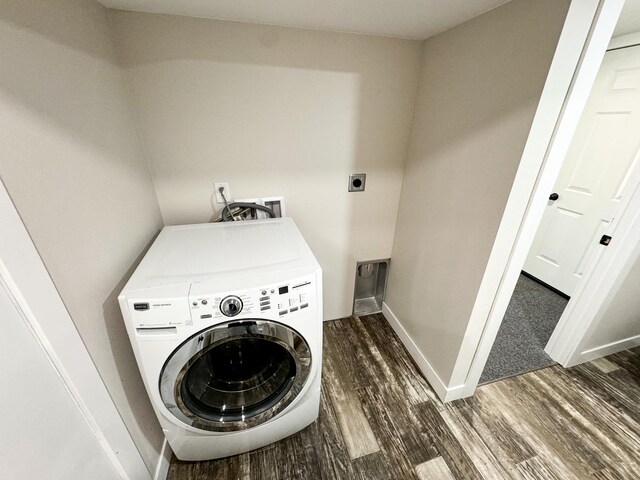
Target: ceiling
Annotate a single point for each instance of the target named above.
(416, 19)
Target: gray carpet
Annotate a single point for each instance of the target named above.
(533, 313)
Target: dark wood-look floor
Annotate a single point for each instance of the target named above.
(379, 419)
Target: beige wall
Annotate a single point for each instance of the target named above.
(276, 111)
(273, 111)
(479, 87)
(73, 165)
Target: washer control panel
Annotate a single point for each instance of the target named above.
(274, 301)
(293, 298)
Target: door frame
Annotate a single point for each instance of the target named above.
(606, 271)
(35, 295)
(583, 42)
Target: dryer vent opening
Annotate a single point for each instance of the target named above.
(371, 283)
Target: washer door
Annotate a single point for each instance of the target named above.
(235, 375)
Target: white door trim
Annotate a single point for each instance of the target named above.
(28, 281)
(581, 48)
(624, 41)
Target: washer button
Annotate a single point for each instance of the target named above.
(204, 302)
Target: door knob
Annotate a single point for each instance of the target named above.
(553, 197)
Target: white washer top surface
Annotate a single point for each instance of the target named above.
(206, 252)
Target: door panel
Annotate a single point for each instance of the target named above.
(594, 175)
(588, 170)
(44, 433)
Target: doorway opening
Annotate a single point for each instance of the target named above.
(599, 170)
(531, 317)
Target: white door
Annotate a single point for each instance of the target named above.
(595, 171)
(44, 433)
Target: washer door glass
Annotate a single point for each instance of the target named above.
(238, 378)
(235, 375)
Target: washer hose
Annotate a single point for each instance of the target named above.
(226, 211)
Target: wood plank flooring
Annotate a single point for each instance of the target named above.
(379, 419)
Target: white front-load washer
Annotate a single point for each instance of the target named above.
(225, 320)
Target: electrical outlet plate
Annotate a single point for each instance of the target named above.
(357, 181)
(227, 192)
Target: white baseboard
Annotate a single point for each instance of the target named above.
(162, 467)
(445, 393)
(610, 348)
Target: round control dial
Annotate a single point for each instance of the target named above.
(231, 306)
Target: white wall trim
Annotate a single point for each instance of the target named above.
(29, 283)
(162, 467)
(624, 41)
(609, 348)
(581, 47)
(446, 394)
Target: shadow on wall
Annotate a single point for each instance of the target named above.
(31, 74)
(276, 111)
(124, 357)
(45, 17)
